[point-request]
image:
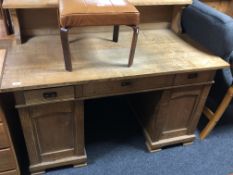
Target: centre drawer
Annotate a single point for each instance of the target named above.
(49, 95)
(126, 86)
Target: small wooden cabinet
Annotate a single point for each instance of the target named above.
(171, 116)
(54, 131)
(8, 160)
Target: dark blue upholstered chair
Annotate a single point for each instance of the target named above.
(213, 30)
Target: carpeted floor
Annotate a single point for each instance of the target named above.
(115, 146)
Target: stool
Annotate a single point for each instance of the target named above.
(78, 13)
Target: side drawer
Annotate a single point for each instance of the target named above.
(190, 78)
(48, 95)
(11, 172)
(126, 86)
(7, 161)
(4, 141)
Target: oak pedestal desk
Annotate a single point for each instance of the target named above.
(168, 83)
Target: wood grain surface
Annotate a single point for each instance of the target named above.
(39, 62)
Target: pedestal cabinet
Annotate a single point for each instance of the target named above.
(53, 127)
(170, 116)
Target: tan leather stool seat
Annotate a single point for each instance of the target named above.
(78, 13)
(75, 13)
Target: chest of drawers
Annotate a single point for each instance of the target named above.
(8, 160)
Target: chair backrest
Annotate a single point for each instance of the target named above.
(212, 29)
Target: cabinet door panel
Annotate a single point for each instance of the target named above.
(54, 134)
(53, 138)
(180, 109)
(53, 124)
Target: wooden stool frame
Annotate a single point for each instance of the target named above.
(66, 48)
(215, 117)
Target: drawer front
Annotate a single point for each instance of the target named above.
(11, 172)
(4, 141)
(190, 78)
(48, 95)
(7, 161)
(126, 86)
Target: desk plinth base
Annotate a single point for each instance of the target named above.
(76, 161)
(156, 146)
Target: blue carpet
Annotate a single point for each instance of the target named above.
(115, 146)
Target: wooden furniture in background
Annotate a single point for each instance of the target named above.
(25, 12)
(50, 100)
(8, 160)
(225, 6)
(6, 19)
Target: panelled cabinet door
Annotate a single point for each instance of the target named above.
(180, 112)
(54, 129)
(54, 133)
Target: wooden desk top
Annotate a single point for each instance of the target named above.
(39, 62)
(23, 4)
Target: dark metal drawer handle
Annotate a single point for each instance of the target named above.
(126, 83)
(49, 95)
(192, 76)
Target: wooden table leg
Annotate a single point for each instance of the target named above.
(66, 48)
(133, 44)
(116, 30)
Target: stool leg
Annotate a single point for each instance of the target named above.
(116, 29)
(133, 44)
(66, 48)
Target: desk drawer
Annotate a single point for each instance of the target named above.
(11, 172)
(4, 141)
(48, 95)
(7, 161)
(126, 86)
(190, 78)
